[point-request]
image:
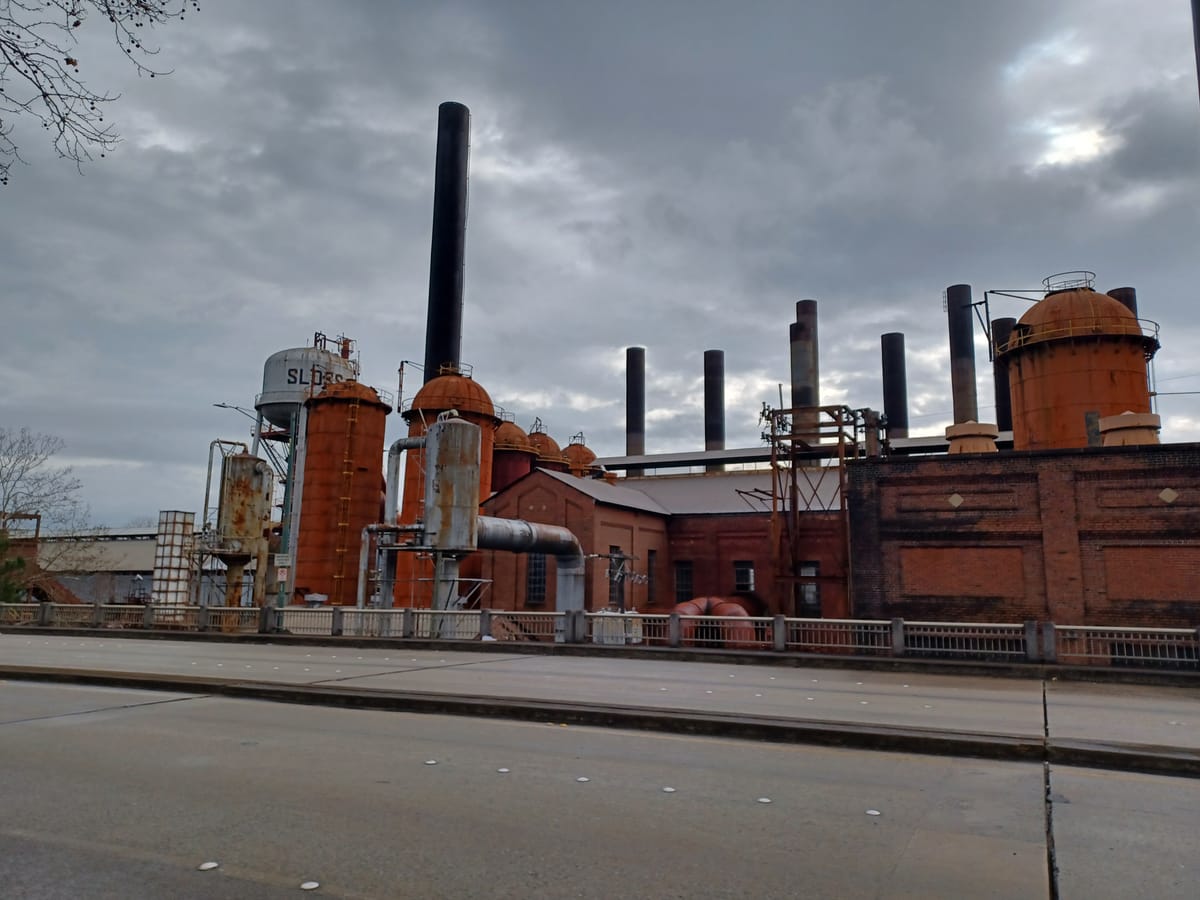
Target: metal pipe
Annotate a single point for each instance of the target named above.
(533, 537)
(1196, 36)
(443, 326)
(364, 552)
(1127, 297)
(714, 404)
(806, 370)
(392, 490)
(635, 403)
(1002, 330)
(960, 312)
(895, 385)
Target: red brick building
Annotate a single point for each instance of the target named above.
(1100, 536)
(677, 537)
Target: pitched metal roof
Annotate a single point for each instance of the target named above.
(612, 494)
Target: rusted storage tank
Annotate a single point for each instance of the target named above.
(549, 454)
(581, 461)
(343, 483)
(512, 455)
(452, 389)
(1075, 357)
(247, 489)
(245, 506)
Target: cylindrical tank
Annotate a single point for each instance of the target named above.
(451, 484)
(343, 488)
(580, 458)
(292, 376)
(450, 390)
(1075, 357)
(247, 485)
(549, 454)
(512, 455)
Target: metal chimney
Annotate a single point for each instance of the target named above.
(714, 404)
(1127, 297)
(443, 327)
(895, 385)
(1002, 330)
(635, 404)
(960, 311)
(806, 379)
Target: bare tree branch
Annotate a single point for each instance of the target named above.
(33, 489)
(39, 69)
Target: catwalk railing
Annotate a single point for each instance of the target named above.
(1022, 642)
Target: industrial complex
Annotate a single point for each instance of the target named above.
(1065, 509)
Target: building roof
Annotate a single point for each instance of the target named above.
(131, 551)
(612, 494)
(708, 493)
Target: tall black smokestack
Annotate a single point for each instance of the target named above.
(895, 385)
(635, 403)
(443, 327)
(962, 352)
(1126, 296)
(714, 403)
(1002, 330)
(806, 373)
(1196, 36)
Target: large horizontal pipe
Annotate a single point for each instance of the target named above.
(520, 536)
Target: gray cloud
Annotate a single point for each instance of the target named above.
(673, 175)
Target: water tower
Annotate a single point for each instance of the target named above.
(291, 378)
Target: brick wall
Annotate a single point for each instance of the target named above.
(1105, 536)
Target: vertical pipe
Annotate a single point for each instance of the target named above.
(714, 403)
(1002, 330)
(443, 325)
(806, 376)
(960, 312)
(895, 384)
(1126, 296)
(635, 403)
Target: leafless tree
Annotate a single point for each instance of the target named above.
(39, 69)
(38, 496)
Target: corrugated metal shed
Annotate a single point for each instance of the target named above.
(112, 551)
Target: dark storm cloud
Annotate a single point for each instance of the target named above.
(674, 175)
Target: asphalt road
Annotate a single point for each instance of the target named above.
(114, 793)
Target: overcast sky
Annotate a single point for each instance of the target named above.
(673, 174)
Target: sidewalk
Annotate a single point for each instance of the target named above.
(1133, 727)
